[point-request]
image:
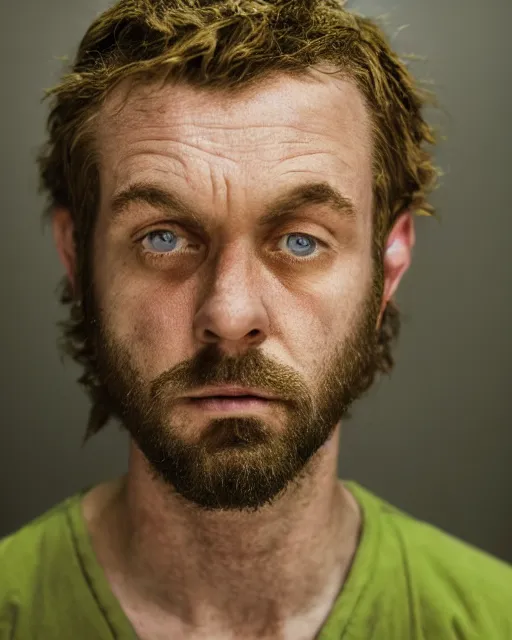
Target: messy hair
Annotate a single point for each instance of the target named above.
(226, 46)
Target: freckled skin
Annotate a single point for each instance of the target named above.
(207, 496)
(311, 323)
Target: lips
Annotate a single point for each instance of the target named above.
(228, 397)
(231, 392)
(230, 403)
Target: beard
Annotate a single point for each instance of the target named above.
(239, 462)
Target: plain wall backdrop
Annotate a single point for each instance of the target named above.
(435, 438)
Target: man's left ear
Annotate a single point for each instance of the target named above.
(397, 256)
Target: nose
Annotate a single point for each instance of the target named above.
(232, 313)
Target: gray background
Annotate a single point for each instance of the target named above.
(435, 439)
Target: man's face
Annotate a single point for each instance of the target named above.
(286, 306)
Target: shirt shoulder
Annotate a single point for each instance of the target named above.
(43, 588)
(23, 552)
(452, 584)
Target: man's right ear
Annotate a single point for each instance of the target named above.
(62, 227)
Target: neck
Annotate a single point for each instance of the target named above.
(263, 574)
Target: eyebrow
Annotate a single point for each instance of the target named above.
(283, 207)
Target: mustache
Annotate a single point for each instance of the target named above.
(212, 367)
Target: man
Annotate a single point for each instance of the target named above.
(231, 189)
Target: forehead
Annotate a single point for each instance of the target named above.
(317, 125)
(297, 97)
(313, 102)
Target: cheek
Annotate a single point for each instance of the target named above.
(337, 306)
(150, 324)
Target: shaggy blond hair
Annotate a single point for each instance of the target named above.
(226, 46)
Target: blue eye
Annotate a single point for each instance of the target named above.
(168, 237)
(164, 241)
(300, 242)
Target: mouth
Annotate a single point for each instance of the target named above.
(231, 391)
(224, 397)
(230, 403)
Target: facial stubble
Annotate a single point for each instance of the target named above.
(239, 462)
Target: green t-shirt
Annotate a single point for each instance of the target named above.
(408, 581)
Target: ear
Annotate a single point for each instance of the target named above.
(397, 256)
(63, 227)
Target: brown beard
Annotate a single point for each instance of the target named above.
(237, 462)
